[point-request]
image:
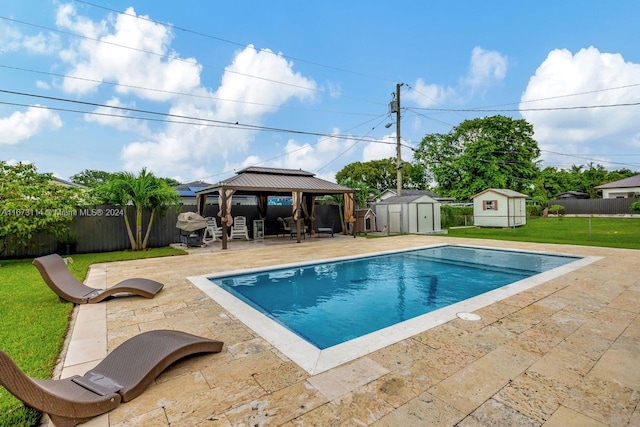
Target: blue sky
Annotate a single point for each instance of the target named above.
(198, 90)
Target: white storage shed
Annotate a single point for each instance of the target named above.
(498, 207)
(408, 214)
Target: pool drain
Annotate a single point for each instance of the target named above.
(469, 316)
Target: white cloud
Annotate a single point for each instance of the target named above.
(380, 150)
(20, 126)
(260, 95)
(309, 157)
(43, 85)
(183, 147)
(427, 95)
(588, 73)
(384, 148)
(111, 117)
(145, 62)
(41, 43)
(487, 68)
(177, 148)
(335, 90)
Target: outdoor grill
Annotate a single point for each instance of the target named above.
(191, 226)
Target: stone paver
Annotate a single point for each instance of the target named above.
(566, 352)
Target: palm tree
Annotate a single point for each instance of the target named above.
(145, 191)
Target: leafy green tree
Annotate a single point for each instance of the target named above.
(91, 178)
(30, 203)
(363, 191)
(381, 174)
(489, 152)
(145, 191)
(617, 175)
(549, 183)
(172, 182)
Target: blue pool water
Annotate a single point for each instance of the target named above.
(331, 303)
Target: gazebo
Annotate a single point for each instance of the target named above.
(302, 186)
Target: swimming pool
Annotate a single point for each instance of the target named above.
(323, 314)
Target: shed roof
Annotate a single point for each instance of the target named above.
(406, 192)
(257, 180)
(632, 181)
(394, 200)
(503, 191)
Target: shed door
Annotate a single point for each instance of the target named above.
(425, 217)
(517, 211)
(395, 221)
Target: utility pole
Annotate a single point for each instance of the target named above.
(398, 145)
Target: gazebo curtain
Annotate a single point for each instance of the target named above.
(349, 208)
(262, 205)
(296, 198)
(225, 204)
(308, 203)
(201, 202)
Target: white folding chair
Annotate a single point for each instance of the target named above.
(212, 232)
(239, 228)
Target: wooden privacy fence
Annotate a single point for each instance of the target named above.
(595, 206)
(102, 228)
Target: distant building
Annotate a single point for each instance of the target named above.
(499, 207)
(573, 195)
(418, 214)
(187, 191)
(64, 183)
(622, 189)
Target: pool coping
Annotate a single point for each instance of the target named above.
(315, 361)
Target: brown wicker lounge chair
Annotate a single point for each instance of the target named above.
(122, 376)
(55, 272)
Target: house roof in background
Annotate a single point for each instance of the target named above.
(255, 180)
(632, 181)
(65, 183)
(574, 194)
(189, 189)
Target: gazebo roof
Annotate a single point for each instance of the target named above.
(274, 181)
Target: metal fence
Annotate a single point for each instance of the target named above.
(595, 206)
(102, 228)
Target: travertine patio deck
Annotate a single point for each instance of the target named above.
(565, 353)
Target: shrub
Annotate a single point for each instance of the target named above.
(534, 210)
(454, 216)
(556, 210)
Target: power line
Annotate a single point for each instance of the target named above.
(176, 58)
(198, 120)
(428, 117)
(578, 107)
(177, 93)
(244, 45)
(286, 153)
(591, 159)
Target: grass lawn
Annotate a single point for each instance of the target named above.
(33, 322)
(605, 232)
